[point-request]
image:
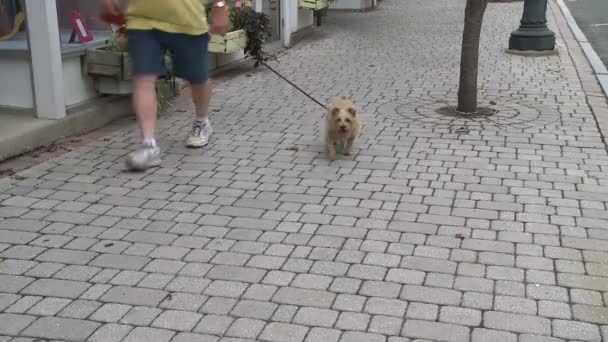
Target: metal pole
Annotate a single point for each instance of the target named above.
(533, 33)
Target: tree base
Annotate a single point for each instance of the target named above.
(483, 112)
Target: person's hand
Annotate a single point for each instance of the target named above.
(111, 13)
(110, 7)
(220, 22)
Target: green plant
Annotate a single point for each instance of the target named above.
(258, 29)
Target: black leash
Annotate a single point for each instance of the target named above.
(293, 85)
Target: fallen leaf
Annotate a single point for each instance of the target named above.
(459, 236)
(493, 103)
(109, 244)
(293, 148)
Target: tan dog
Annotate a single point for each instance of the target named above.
(342, 126)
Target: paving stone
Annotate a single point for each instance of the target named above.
(254, 309)
(554, 293)
(422, 311)
(315, 317)
(460, 316)
(214, 325)
(554, 309)
(245, 328)
(538, 338)
(190, 337)
(404, 276)
(486, 335)
(431, 295)
(23, 304)
(515, 304)
(49, 306)
(233, 273)
(278, 332)
(110, 332)
(6, 299)
(380, 289)
(123, 262)
(143, 334)
(133, 296)
(435, 331)
(385, 325)
(323, 334)
(61, 329)
(56, 288)
(573, 330)
(347, 302)
(589, 313)
(110, 313)
(13, 324)
(177, 320)
(304, 297)
(353, 321)
(356, 336)
(586, 297)
(218, 305)
(140, 316)
(519, 323)
(582, 282)
(428, 264)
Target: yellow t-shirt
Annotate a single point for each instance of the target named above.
(174, 16)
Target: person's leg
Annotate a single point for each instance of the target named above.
(144, 103)
(146, 53)
(191, 62)
(201, 96)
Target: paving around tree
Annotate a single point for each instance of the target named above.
(438, 228)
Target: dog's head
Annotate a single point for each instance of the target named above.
(343, 114)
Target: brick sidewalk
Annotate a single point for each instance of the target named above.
(439, 228)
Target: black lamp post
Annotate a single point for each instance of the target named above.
(533, 33)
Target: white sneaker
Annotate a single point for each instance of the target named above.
(199, 137)
(144, 158)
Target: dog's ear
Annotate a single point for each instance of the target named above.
(344, 98)
(352, 111)
(334, 111)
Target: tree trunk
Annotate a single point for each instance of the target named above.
(469, 61)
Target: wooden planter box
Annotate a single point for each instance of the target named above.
(314, 5)
(106, 63)
(229, 42)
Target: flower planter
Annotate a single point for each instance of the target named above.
(229, 42)
(314, 5)
(352, 5)
(108, 64)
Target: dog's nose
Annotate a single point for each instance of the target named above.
(343, 128)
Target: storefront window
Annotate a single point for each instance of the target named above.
(13, 26)
(89, 12)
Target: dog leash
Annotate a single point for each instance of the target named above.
(294, 85)
(363, 125)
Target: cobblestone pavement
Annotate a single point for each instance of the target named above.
(438, 229)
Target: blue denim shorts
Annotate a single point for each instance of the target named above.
(190, 54)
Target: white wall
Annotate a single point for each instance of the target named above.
(305, 18)
(16, 86)
(78, 86)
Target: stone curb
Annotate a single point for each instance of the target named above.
(596, 63)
